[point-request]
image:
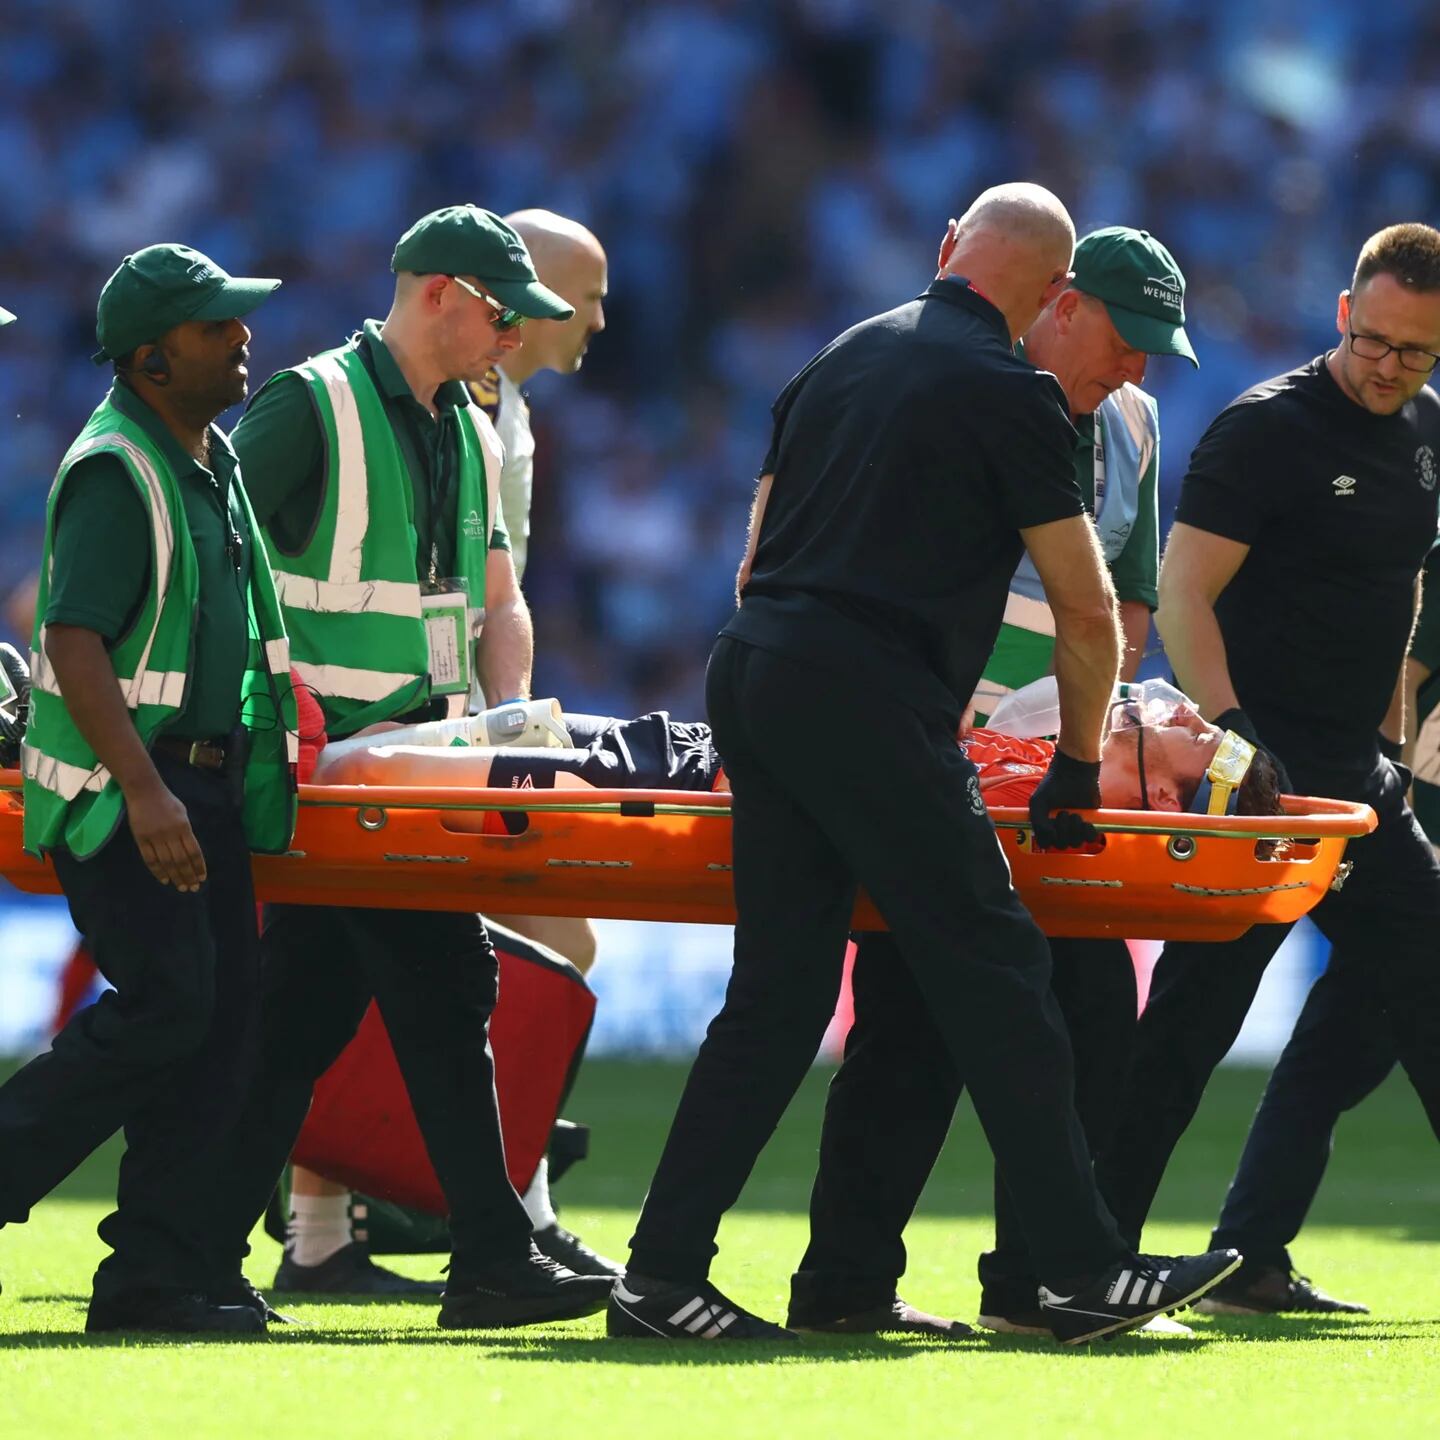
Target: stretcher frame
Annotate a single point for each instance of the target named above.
(665, 855)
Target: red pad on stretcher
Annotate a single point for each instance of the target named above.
(361, 1130)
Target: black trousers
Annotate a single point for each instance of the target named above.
(890, 1107)
(166, 1055)
(1384, 965)
(1342, 1049)
(435, 979)
(810, 825)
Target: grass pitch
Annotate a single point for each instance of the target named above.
(385, 1370)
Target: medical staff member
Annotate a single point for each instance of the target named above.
(912, 462)
(1125, 302)
(1287, 599)
(156, 759)
(378, 499)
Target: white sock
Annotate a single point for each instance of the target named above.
(319, 1226)
(537, 1198)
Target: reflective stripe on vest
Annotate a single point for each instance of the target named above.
(71, 799)
(352, 596)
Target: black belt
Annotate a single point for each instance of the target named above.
(202, 754)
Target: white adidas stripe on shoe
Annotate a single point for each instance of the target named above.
(682, 1312)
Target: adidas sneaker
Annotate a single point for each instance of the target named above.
(642, 1309)
(1131, 1292)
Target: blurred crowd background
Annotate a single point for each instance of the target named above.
(763, 173)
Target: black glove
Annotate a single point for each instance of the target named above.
(1068, 782)
(1390, 749)
(1238, 721)
(17, 671)
(14, 713)
(12, 732)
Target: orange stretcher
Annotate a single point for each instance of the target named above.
(665, 855)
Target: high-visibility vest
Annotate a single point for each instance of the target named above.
(351, 597)
(71, 799)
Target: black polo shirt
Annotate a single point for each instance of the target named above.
(1338, 507)
(907, 457)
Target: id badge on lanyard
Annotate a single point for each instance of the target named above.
(1099, 471)
(445, 611)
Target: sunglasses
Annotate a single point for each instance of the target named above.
(501, 316)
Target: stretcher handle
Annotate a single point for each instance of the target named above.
(1321, 817)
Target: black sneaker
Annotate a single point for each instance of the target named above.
(241, 1292)
(1272, 1290)
(349, 1271)
(573, 1253)
(1131, 1291)
(520, 1292)
(657, 1310)
(166, 1312)
(1006, 1317)
(896, 1318)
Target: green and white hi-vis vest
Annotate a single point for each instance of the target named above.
(351, 598)
(1127, 431)
(71, 799)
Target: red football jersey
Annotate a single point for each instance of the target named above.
(1010, 768)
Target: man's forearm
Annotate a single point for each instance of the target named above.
(505, 652)
(81, 666)
(1087, 660)
(1135, 631)
(752, 536)
(1196, 651)
(1392, 727)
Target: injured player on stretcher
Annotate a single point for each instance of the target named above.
(1158, 755)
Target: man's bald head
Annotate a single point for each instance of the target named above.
(1014, 244)
(570, 261)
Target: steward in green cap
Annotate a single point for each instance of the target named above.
(157, 757)
(1125, 302)
(378, 489)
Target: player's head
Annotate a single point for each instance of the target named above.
(1160, 762)
(1389, 319)
(1126, 303)
(570, 261)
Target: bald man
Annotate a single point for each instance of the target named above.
(571, 262)
(912, 462)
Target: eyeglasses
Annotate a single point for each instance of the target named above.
(1369, 347)
(501, 316)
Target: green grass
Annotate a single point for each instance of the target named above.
(385, 1370)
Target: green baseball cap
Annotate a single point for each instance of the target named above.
(6, 318)
(466, 240)
(162, 286)
(1141, 286)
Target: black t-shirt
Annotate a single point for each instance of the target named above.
(907, 456)
(1338, 507)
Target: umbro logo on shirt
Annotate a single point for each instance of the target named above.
(1344, 486)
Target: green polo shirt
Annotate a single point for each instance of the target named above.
(101, 563)
(282, 448)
